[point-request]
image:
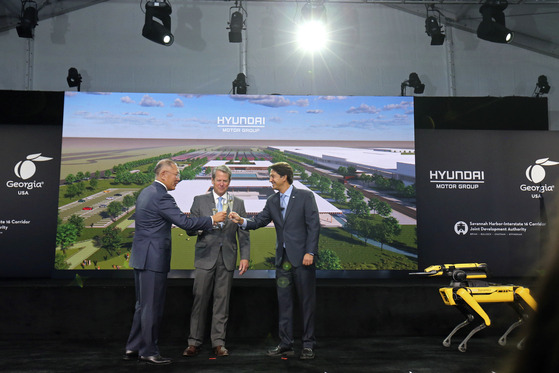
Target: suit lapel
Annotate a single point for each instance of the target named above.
(210, 203)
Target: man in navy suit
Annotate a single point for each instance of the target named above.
(295, 216)
(156, 211)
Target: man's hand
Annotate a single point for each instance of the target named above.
(243, 266)
(308, 259)
(235, 218)
(219, 217)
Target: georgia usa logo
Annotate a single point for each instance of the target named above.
(25, 170)
(536, 174)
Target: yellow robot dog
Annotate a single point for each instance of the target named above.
(468, 289)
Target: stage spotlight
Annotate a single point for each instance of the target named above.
(414, 82)
(240, 85)
(157, 26)
(74, 79)
(434, 30)
(236, 27)
(236, 22)
(542, 86)
(312, 33)
(492, 27)
(314, 10)
(28, 19)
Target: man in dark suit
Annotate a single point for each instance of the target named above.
(295, 216)
(156, 211)
(215, 258)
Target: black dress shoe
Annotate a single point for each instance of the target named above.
(280, 351)
(130, 355)
(157, 359)
(307, 354)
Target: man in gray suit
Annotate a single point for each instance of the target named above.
(295, 216)
(215, 258)
(156, 211)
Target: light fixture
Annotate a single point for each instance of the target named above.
(157, 26)
(28, 19)
(312, 33)
(314, 10)
(74, 78)
(414, 82)
(542, 86)
(433, 27)
(240, 84)
(492, 27)
(236, 22)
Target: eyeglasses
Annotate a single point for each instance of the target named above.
(177, 174)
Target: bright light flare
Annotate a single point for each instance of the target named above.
(312, 36)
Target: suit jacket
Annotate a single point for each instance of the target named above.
(300, 229)
(156, 211)
(208, 242)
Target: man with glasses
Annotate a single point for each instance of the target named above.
(156, 212)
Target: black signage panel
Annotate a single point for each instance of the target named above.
(485, 197)
(31, 127)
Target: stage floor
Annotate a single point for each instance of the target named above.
(383, 355)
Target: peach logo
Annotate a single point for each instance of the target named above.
(536, 173)
(25, 169)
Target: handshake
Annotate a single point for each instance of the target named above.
(221, 216)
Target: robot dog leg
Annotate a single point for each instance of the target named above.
(520, 294)
(461, 298)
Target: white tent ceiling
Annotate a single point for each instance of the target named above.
(533, 21)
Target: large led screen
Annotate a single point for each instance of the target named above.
(355, 153)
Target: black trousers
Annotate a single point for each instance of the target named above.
(301, 282)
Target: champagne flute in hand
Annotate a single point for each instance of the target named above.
(214, 211)
(230, 202)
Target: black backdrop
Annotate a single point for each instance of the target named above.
(31, 124)
(475, 202)
(30, 134)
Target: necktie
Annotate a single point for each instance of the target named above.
(283, 205)
(219, 208)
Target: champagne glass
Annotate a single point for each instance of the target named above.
(214, 211)
(230, 201)
(225, 205)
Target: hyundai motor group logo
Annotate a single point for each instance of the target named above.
(536, 174)
(457, 179)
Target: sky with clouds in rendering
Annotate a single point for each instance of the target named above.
(250, 117)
